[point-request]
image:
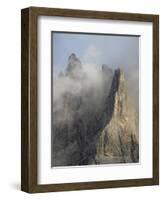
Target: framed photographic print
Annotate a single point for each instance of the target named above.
(90, 99)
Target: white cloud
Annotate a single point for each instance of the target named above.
(91, 55)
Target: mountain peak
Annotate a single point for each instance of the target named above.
(106, 69)
(74, 66)
(116, 101)
(120, 74)
(72, 56)
(118, 140)
(119, 88)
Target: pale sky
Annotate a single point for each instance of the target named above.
(113, 50)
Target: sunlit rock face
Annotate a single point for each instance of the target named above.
(94, 121)
(118, 141)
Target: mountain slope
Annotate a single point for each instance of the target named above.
(93, 119)
(118, 142)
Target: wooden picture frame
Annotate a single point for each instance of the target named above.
(29, 112)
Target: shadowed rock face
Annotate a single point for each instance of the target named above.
(93, 123)
(74, 68)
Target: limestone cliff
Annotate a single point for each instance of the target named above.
(94, 122)
(118, 142)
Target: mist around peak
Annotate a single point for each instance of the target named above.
(93, 121)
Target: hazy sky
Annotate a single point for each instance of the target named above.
(113, 50)
(94, 50)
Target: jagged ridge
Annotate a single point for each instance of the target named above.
(86, 131)
(118, 142)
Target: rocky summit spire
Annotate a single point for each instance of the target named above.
(74, 66)
(120, 93)
(118, 141)
(93, 125)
